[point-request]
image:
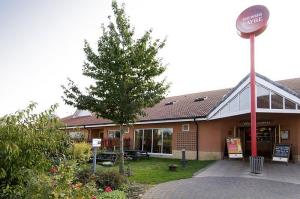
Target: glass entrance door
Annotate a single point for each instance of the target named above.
(265, 137)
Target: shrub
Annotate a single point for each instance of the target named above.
(82, 151)
(30, 143)
(112, 195)
(84, 176)
(59, 183)
(112, 179)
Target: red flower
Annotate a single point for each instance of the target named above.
(107, 189)
(53, 169)
(94, 197)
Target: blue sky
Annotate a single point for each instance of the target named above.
(41, 44)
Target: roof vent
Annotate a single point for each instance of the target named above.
(170, 103)
(200, 99)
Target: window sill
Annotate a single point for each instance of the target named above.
(160, 154)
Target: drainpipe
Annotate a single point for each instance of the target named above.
(197, 139)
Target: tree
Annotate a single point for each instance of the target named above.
(30, 143)
(124, 71)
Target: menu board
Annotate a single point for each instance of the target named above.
(281, 152)
(234, 147)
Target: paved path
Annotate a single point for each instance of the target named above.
(232, 179)
(224, 188)
(236, 168)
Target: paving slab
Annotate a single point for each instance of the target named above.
(238, 168)
(224, 188)
(231, 179)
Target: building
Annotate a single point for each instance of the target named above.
(200, 122)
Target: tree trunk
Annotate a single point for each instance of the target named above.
(121, 165)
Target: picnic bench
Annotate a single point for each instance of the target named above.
(136, 154)
(106, 157)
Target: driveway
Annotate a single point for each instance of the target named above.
(231, 179)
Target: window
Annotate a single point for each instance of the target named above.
(170, 103)
(167, 141)
(225, 110)
(263, 97)
(77, 135)
(113, 134)
(234, 104)
(245, 99)
(139, 139)
(154, 140)
(185, 127)
(148, 140)
(157, 140)
(276, 101)
(289, 104)
(200, 99)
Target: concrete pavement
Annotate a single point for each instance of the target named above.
(237, 168)
(231, 179)
(224, 188)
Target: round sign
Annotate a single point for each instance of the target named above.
(253, 20)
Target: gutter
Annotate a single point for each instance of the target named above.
(197, 139)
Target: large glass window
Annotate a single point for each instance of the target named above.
(263, 99)
(245, 99)
(277, 101)
(289, 104)
(157, 140)
(167, 140)
(147, 140)
(113, 134)
(154, 140)
(139, 139)
(234, 104)
(225, 110)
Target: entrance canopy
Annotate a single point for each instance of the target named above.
(271, 97)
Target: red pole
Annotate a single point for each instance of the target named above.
(253, 98)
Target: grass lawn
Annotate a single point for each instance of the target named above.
(156, 170)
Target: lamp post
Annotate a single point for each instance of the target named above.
(250, 23)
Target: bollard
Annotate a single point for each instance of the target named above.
(94, 159)
(183, 160)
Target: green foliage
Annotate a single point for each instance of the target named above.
(125, 71)
(103, 178)
(84, 175)
(109, 178)
(30, 143)
(59, 184)
(112, 195)
(81, 151)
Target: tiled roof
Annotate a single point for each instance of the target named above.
(183, 107)
(293, 84)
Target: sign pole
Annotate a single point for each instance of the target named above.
(253, 98)
(95, 144)
(250, 23)
(94, 159)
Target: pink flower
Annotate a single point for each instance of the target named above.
(107, 189)
(94, 197)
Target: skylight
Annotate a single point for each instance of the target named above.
(170, 103)
(200, 99)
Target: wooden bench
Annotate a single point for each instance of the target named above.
(136, 154)
(107, 157)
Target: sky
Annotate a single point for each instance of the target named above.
(41, 45)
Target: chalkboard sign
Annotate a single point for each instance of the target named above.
(281, 152)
